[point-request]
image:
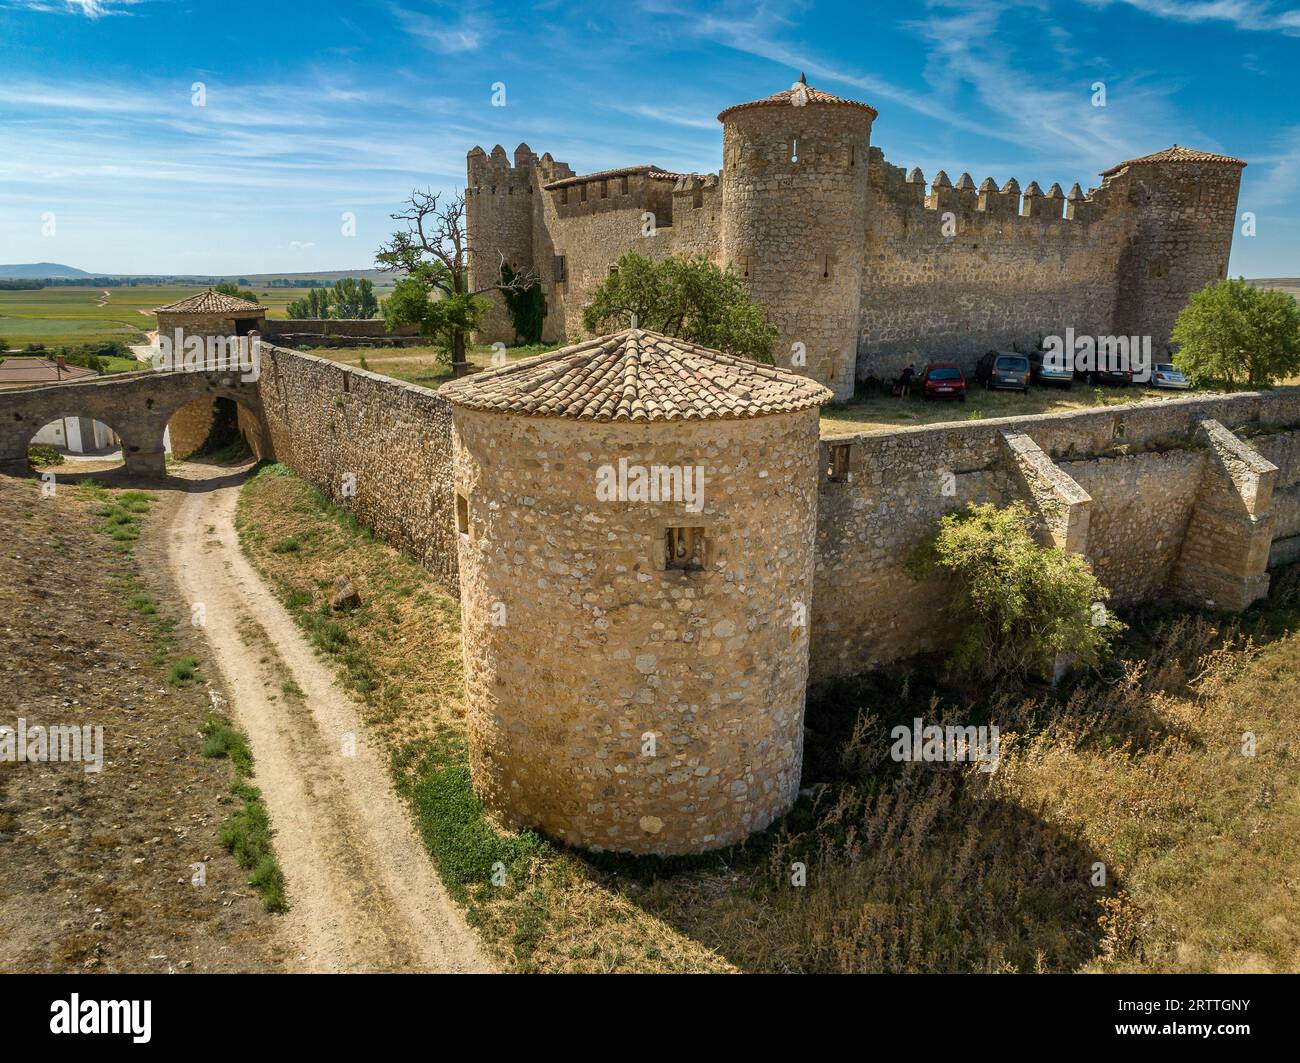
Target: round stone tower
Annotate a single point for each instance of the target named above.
(794, 207)
(636, 521)
(1185, 208)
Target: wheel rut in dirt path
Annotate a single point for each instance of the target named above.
(363, 893)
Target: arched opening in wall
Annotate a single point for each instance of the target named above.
(73, 444)
(210, 429)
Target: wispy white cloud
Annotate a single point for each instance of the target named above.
(448, 30)
(92, 9)
(1254, 15)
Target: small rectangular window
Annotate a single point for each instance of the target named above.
(837, 469)
(583, 196)
(697, 197)
(604, 189)
(462, 514)
(684, 549)
(613, 269)
(622, 185)
(561, 272)
(564, 195)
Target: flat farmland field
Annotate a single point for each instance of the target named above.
(54, 316)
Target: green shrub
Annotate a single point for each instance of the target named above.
(1015, 605)
(40, 455)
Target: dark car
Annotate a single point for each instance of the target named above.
(1003, 369)
(1045, 368)
(943, 380)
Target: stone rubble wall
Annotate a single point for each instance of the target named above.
(1145, 468)
(328, 422)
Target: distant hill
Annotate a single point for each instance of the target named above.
(41, 271)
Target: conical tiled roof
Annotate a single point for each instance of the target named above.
(636, 376)
(1176, 153)
(209, 302)
(798, 94)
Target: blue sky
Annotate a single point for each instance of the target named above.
(316, 109)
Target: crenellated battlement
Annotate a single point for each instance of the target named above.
(856, 260)
(906, 190)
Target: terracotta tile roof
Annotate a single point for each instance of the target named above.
(15, 371)
(652, 172)
(637, 376)
(208, 302)
(787, 99)
(1176, 153)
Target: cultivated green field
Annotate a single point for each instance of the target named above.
(54, 316)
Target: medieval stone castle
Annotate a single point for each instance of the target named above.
(859, 265)
(636, 665)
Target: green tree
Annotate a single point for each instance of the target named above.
(315, 306)
(230, 288)
(351, 299)
(1015, 605)
(1232, 334)
(434, 249)
(689, 298)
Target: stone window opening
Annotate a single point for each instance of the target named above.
(853, 155)
(684, 549)
(622, 186)
(561, 270)
(824, 262)
(347, 382)
(462, 514)
(564, 196)
(697, 197)
(582, 195)
(1159, 267)
(613, 269)
(604, 189)
(742, 267)
(837, 468)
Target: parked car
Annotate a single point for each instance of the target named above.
(1112, 375)
(1166, 375)
(943, 380)
(1003, 369)
(1045, 370)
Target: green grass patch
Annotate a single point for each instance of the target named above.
(247, 833)
(182, 671)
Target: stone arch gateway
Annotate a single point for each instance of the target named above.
(137, 406)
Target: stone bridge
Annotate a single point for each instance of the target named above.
(137, 406)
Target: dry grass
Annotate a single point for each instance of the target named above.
(909, 867)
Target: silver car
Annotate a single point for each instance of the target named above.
(1165, 375)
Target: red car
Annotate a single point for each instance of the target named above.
(943, 380)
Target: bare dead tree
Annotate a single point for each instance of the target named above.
(434, 247)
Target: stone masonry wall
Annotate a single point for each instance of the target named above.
(1003, 277)
(578, 643)
(328, 422)
(1143, 468)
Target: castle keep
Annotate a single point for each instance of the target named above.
(860, 265)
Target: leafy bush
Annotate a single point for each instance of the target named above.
(689, 298)
(1015, 604)
(40, 455)
(1235, 335)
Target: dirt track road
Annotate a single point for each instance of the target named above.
(363, 894)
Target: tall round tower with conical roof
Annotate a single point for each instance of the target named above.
(636, 520)
(794, 203)
(1185, 209)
